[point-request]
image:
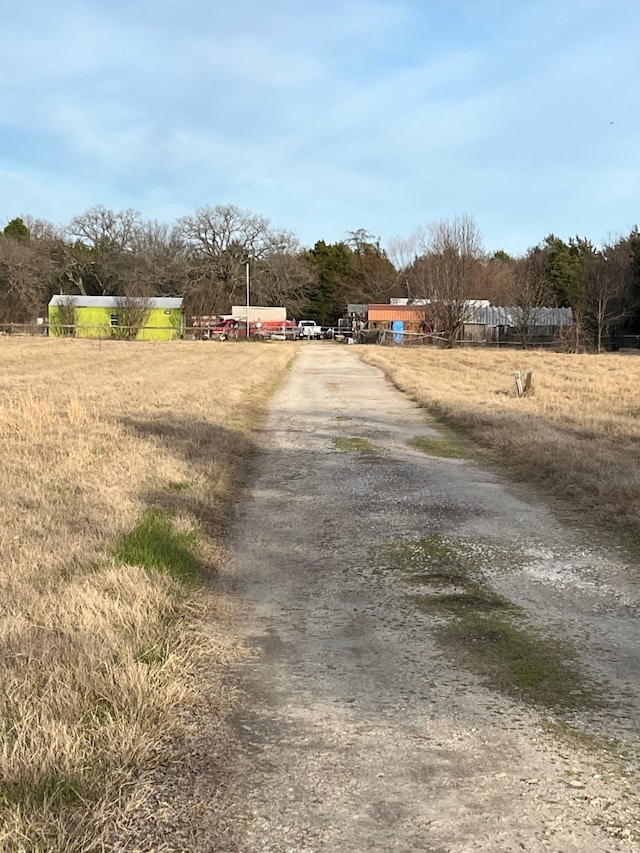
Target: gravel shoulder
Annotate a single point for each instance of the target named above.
(357, 728)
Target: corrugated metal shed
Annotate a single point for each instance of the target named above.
(497, 316)
(113, 301)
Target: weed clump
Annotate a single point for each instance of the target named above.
(354, 444)
(444, 447)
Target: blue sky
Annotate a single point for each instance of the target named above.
(327, 117)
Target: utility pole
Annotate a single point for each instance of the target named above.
(247, 266)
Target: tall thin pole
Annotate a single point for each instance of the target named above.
(247, 264)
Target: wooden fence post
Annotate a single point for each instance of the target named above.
(518, 377)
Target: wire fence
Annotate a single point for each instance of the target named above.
(383, 336)
(97, 332)
(31, 329)
(392, 337)
(406, 338)
(150, 333)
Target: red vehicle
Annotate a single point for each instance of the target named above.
(233, 329)
(277, 329)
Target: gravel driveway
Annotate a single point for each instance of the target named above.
(360, 730)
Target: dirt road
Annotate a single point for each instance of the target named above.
(365, 726)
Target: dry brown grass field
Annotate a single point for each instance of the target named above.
(577, 434)
(119, 462)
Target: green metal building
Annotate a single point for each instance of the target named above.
(116, 317)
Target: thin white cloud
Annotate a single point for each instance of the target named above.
(327, 118)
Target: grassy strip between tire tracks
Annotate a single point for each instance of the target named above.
(119, 465)
(485, 632)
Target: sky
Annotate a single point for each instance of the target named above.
(327, 117)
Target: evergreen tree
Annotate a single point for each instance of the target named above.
(17, 230)
(633, 247)
(375, 278)
(565, 269)
(334, 271)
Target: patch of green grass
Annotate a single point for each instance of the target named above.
(454, 584)
(343, 418)
(462, 603)
(450, 427)
(433, 553)
(437, 579)
(53, 789)
(579, 739)
(625, 534)
(354, 444)
(154, 655)
(445, 447)
(518, 660)
(157, 546)
(439, 416)
(485, 632)
(182, 485)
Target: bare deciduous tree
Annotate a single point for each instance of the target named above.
(405, 253)
(283, 276)
(65, 318)
(604, 289)
(221, 240)
(495, 281)
(26, 272)
(100, 254)
(99, 226)
(42, 229)
(531, 291)
(452, 260)
(132, 312)
(161, 262)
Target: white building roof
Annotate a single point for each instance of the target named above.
(112, 301)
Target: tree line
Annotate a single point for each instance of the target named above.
(202, 257)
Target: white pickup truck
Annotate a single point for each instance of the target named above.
(309, 329)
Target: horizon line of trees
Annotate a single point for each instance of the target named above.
(202, 258)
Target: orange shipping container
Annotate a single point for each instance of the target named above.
(387, 313)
